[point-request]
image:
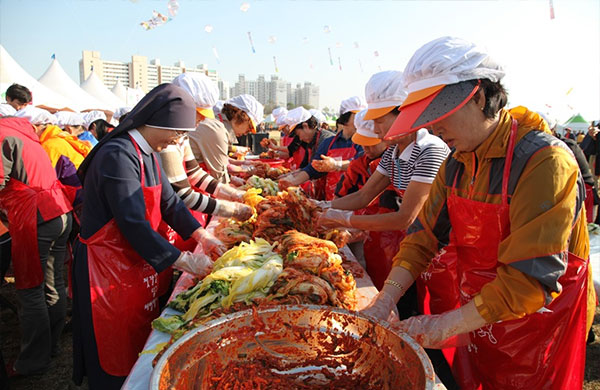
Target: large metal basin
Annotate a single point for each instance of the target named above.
(300, 340)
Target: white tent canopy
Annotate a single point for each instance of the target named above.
(120, 91)
(57, 79)
(128, 95)
(11, 72)
(93, 85)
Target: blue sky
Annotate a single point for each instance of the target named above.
(544, 58)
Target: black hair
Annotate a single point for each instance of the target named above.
(102, 128)
(311, 122)
(344, 118)
(496, 97)
(19, 92)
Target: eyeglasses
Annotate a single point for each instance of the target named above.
(180, 133)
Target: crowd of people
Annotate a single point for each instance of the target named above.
(473, 216)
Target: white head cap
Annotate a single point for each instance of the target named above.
(278, 112)
(318, 115)
(297, 116)
(69, 118)
(121, 111)
(249, 105)
(92, 116)
(204, 91)
(218, 107)
(282, 120)
(365, 131)
(449, 60)
(36, 116)
(354, 104)
(7, 110)
(384, 92)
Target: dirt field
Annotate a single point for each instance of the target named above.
(59, 376)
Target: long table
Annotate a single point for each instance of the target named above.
(139, 378)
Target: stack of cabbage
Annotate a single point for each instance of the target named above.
(268, 186)
(243, 273)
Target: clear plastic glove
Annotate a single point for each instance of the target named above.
(197, 264)
(227, 192)
(357, 235)
(327, 164)
(324, 204)
(285, 182)
(236, 210)
(236, 181)
(445, 330)
(335, 218)
(382, 307)
(211, 245)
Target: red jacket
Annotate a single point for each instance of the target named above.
(24, 159)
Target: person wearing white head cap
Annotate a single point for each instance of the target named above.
(348, 109)
(183, 171)
(55, 141)
(240, 115)
(331, 159)
(279, 112)
(311, 143)
(292, 147)
(71, 122)
(88, 119)
(511, 196)
(210, 142)
(91, 116)
(355, 178)
(205, 94)
(407, 167)
(286, 139)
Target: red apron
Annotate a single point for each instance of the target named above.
(331, 180)
(123, 288)
(286, 140)
(311, 188)
(543, 350)
(381, 247)
(21, 203)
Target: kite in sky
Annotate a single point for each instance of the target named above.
(159, 19)
(251, 43)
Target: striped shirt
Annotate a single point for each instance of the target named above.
(185, 174)
(418, 162)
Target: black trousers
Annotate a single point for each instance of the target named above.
(43, 308)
